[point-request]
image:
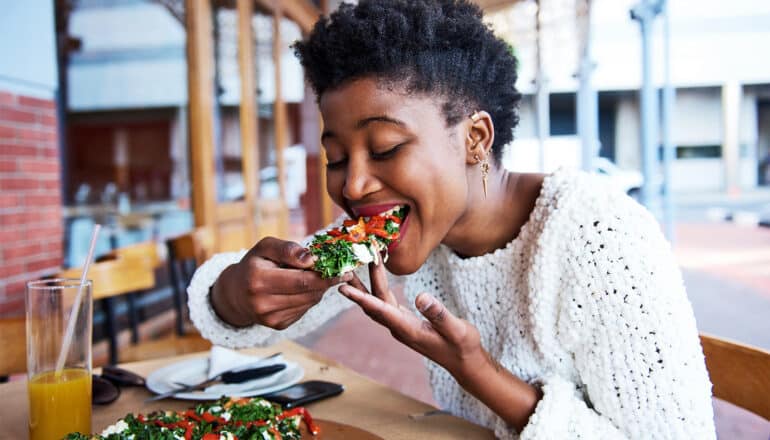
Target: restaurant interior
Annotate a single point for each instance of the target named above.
(148, 95)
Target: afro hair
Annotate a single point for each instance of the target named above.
(439, 48)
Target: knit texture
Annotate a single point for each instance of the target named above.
(586, 302)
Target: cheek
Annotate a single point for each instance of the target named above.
(335, 180)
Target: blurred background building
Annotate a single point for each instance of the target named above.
(151, 117)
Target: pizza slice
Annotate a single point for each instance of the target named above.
(224, 419)
(356, 242)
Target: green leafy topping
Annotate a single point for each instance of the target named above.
(333, 257)
(250, 419)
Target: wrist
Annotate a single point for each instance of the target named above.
(472, 368)
(224, 302)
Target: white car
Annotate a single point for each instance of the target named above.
(630, 181)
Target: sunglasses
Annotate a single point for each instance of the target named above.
(105, 387)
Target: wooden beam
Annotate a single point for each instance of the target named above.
(279, 116)
(494, 5)
(302, 12)
(248, 115)
(200, 89)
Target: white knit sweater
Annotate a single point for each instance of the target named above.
(586, 302)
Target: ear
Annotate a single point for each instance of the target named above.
(479, 137)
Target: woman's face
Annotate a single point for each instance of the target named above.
(386, 148)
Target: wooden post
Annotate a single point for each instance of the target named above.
(200, 88)
(248, 114)
(279, 118)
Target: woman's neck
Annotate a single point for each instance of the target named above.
(490, 224)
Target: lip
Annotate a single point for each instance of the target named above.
(370, 210)
(401, 234)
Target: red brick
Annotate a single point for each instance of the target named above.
(8, 200)
(7, 98)
(13, 306)
(40, 200)
(7, 132)
(9, 234)
(46, 263)
(39, 166)
(11, 270)
(15, 288)
(12, 219)
(8, 183)
(47, 120)
(31, 134)
(37, 102)
(7, 166)
(50, 185)
(50, 152)
(45, 231)
(13, 150)
(18, 252)
(17, 116)
(53, 247)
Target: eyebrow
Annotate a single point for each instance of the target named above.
(366, 121)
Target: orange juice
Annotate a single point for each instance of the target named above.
(59, 404)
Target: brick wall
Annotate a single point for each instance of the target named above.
(30, 202)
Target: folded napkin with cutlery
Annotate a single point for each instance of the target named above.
(223, 359)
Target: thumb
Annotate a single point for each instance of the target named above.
(445, 323)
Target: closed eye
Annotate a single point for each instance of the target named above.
(386, 154)
(336, 165)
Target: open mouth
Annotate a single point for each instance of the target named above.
(401, 211)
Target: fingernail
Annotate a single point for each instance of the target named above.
(346, 291)
(427, 303)
(306, 255)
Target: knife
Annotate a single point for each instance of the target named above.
(236, 376)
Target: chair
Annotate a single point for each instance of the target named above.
(740, 374)
(111, 278)
(144, 253)
(12, 339)
(185, 253)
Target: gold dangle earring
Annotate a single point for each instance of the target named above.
(484, 172)
(484, 163)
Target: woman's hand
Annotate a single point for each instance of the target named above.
(444, 338)
(270, 286)
(451, 342)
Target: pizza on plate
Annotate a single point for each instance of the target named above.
(225, 419)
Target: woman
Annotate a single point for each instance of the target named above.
(552, 306)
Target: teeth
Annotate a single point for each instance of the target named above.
(392, 210)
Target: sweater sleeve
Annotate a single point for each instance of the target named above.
(220, 333)
(624, 318)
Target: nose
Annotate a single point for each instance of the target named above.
(359, 181)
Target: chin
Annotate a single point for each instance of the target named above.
(403, 266)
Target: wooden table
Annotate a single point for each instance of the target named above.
(364, 404)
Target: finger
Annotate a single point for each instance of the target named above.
(387, 315)
(284, 253)
(279, 303)
(380, 289)
(283, 281)
(285, 318)
(445, 323)
(357, 283)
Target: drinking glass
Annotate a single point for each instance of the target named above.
(59, 400)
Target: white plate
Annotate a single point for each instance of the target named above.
(195, 370)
